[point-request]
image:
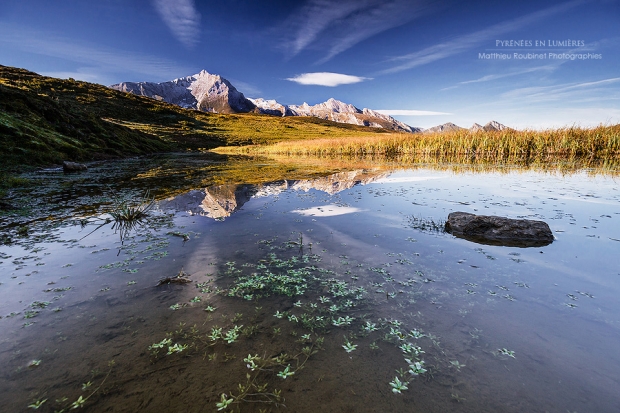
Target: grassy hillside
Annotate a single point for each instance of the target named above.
(45, 120)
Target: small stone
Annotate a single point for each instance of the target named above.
(73, 167)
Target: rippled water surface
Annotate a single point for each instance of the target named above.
(308, 294)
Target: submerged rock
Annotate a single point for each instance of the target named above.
(494, 230)
(73, 166)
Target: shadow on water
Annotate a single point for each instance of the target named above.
(314, 284)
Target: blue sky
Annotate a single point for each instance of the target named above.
(425, 62)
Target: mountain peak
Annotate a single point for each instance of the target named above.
(203, 91)
(446, 127)
(494, 126)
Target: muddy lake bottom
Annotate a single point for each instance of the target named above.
(334, 293)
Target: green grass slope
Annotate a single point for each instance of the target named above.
(44, 121)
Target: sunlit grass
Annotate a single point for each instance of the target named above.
(506, 145)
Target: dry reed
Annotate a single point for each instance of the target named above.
(602, 142)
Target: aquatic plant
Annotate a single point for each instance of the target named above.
(427, 224)
(398, 386)
(37, 404)
(416, 367)
(232, 334)
(224, 402)
(456, 364)
(348, 346)
(286, 372)
(506, 352)
(176, 348)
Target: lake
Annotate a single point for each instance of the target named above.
(257, 285)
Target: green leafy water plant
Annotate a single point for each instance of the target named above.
(506, 352)
(416, 367)
(348, 346)
(457, 365)
(398, 386)
(80, 402)
(37, 404)
(233, 334)
(286, 372)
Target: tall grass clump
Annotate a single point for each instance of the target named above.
(547, 145)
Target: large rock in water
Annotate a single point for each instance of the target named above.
(493, 230)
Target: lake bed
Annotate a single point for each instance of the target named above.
(321, 292)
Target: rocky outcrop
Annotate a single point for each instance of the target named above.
(494, 230)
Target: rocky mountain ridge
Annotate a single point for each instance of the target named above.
(451, 127)
(337, 111)
(212, 93)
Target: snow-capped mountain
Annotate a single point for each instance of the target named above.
(212, 93)
(203, 91)
(336, 111)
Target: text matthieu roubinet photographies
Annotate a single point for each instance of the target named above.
(540, 50)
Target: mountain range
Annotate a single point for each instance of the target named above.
(212, 93)
(451, 127)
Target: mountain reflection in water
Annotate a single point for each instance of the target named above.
(221, 201)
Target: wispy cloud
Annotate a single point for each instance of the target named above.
(182, 19)
(341, 25)
(410, 112)
(101, 60)
(326, 79)
(476, 39)
(604, 89)
(488, 78)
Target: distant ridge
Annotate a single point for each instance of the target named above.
(451, 127)
(446, 127)
(337, 111)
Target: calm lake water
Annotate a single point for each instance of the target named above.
(308, 294)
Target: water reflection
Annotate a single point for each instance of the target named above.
(220, 201)
(498, 328)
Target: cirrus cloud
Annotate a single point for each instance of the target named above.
(326, 79)
(182, 19)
